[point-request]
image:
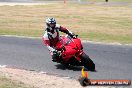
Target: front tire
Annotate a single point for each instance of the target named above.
(87, 62)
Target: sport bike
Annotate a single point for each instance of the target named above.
(70, 52)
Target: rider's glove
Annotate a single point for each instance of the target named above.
(73, 35)
(57, 53)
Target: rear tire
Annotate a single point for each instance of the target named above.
(87, 62)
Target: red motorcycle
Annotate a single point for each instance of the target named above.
(71, 53)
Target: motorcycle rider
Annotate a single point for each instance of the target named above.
(51, 36)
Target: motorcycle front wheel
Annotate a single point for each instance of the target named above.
(87, 62)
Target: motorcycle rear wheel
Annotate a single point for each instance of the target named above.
(87, 62)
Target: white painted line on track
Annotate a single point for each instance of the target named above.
(3, 66)
(42, 72)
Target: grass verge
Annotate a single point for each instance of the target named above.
(110, 0)
(91, 22)
(7, 83)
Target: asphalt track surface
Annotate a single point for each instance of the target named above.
(112, 61)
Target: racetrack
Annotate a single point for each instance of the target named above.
(112, 61)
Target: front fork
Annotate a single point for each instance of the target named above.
(78, 55)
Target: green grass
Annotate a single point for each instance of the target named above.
(91, 22)
(109, 0)
(106, 37)
(7, 83)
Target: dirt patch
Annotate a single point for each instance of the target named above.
(39, 80)
(33, 79)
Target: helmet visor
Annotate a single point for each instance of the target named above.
(52, 25)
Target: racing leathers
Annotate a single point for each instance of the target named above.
(51, 38)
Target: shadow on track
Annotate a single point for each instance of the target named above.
(74, 68)
(63, 67)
